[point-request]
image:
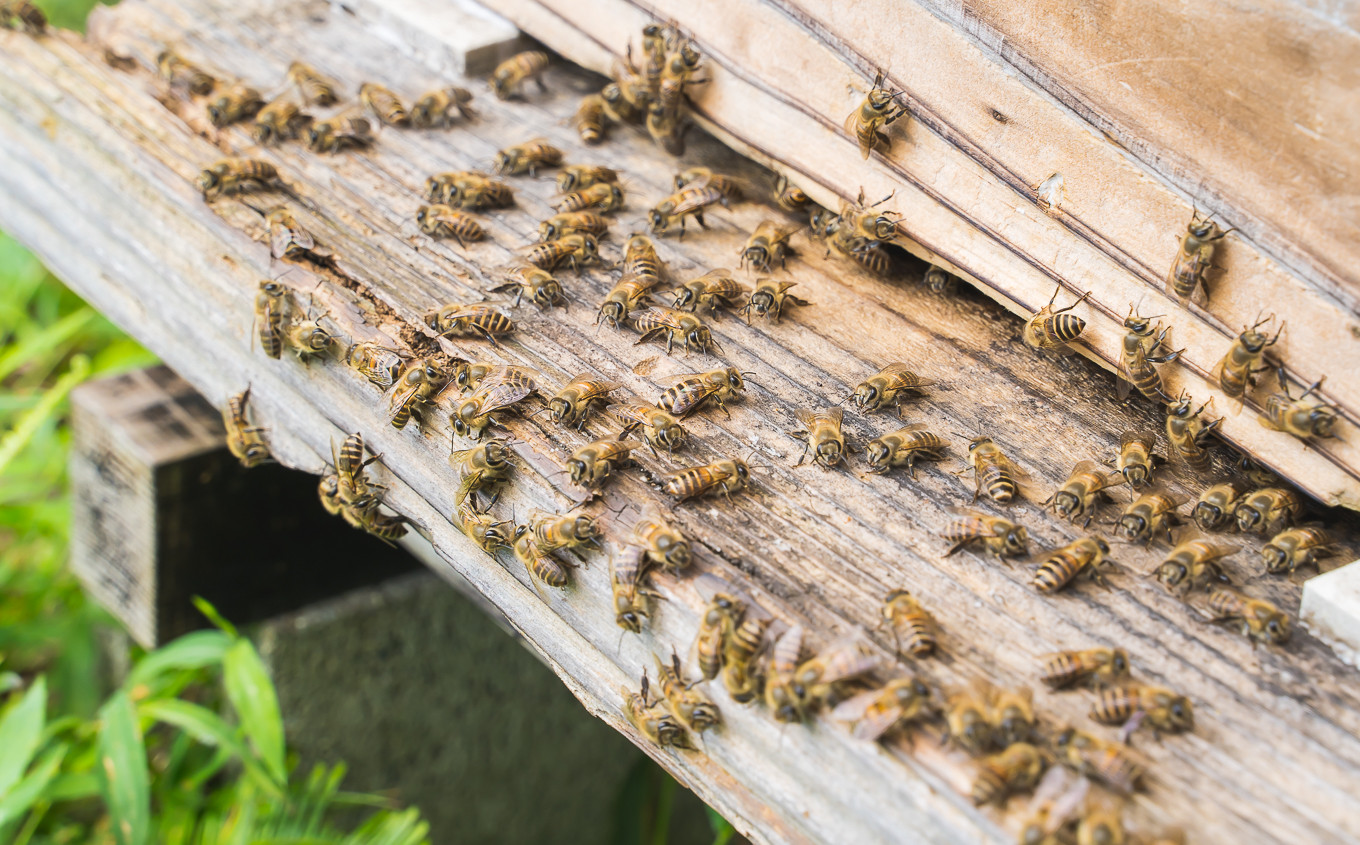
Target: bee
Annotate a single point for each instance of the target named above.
(543, 568)
(904, 447)
(1296, 547)
(1137, 357)
(1214, 510)
(328, 489)
(993, 471)
(571, 223)
(877, 712)
(590, 119)
(237, 103)
(1136, 459)
(443, 221)
(1193, 564)
(469, 375)
(1194, 258)
(384, 104)
(704, 177)
(1017, 769)
(245, 441)
(468, 189)
(341, 132)
(436, 109)
(1107, 762)
(716, 627)
(823, 222)
(694, 389)
(666, 128)
(621, 103)
(824, 437)
(1080, 492)
(769, 299)
(1013, 716)
(912, 625)
(352, 485)
(662, 543)
(728, 476)
(574, 177)
(571, 404)
(740, 676)
(1094, 666)
(377, 363)
(1161, 709)
(591, 464)
(886, 387)
(287, 238)
(783, 695)
(1257, 619)
(822, 678)
(1000, 536)
(768, 243)
(270, 304)
(654, 720)
(654, 57)
(386, 527)
(575, 250)
(861, 223)
(308, 338)
(687, 202)
(604, 196)
(1084, 556)
(625, 581)
(1054, 808)
(475, 320)
(789, 196)
(939, 281)
(1100, 826)
(527, 280)
(878, 111)
(238, 176)
(1145, 518)
(1239, 367)
(421, 380)
(966, 716)
(481, 529)
(658, 427)
(1267, 510)
(712, 290)
(1189, 435)
(629, 293)
(564, 531)
(694, 709)
(1049, 329)
(1301, 417)
(657, 322)
(279, 121)
(872, 257)
(511, 74)
(480, 466)
(641, 261)
(499, 391)
(528, 158)
(316, 89)
(181, 72)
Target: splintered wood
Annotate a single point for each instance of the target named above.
(99, 167)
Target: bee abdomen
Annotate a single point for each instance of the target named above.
(1056, 572)
(1061, 670)
(918, 636)
(1063, 328)
(999, 484)
(1114, 705)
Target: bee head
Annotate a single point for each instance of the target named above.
(1277, 628)
(1017, 540)
(1321, 421)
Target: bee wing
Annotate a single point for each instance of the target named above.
(400, 399)
(1123, 380)
(915, 427)
(835, 415)
(627, 445)
(1137, 437)
(502, 395)
(279, 240)
(660, 316)
(806, 418)
(466, 485)
(1084, 467)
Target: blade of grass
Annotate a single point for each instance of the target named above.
(122, 762)
(40, 343)
(252, 694)
(45, 411)
(20, 732)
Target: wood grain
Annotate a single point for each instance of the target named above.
(99, 173)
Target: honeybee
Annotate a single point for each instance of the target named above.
(1189, 435)
(1049, 329)
(789, 196)
(1257, 619)
(822, 678)
(641, 261)
(1194, 258)
(1145, 518)
(993, 471)
(621, 102)
(287, 238)
(629, 293)
(782, 694)
(1017, 769)
(1214, 510)
(573, 222)
(480, 466)
(1301, 417)
(575, 250)
(488, 533)
(1193, 564)
(244, 440)
(604, 196)
(1239, 367)
(873, 257)
(769, 299)
(692, 390)
(527, 280)
(716, 626)
(1094, 666)
(589, 119)
(235, 104)
(860, 224)
(625, 581)
(740, 675)
(498, 392)
(574, 177)
(824, 437)
(1106, 762)
(350, 466)
(386, 527)
(1080, 492)
(657, 322)
(421, 380)
(1054, 808)
(693, 708)
(571, 404)
(712, 290)
(1083, 556)
(1000, 536)
(543, 568)
(316, 89)
(308, 338)
(666, 128)
(384, 104)
(887, 386)
(877, 712)
(662, 543)
(1161, 709)
(1296, 547)
(912, 625)
(436, 109)
(939, 281)
(1136, 459)
(904, 447)
(654, 720)
(591, 464)
(966, 716)
(443, 221)
(270, 305)
(511, 74)
(728, 476)
(1013, 716)
(377, 363)
(1268, 510)
(704, 177)
(1137, 357)
(468, 189)
(878, 110)
(658, 427)
(341, 132)
(238, 176)
(528, 158)
(279, 121)
(564, 531)
(687, 202)
(768, 243)
(469, 375)
(180, 72)
(476, 320)
(1102, 825)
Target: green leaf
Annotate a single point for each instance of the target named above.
(73, 786)
(199, 722)
(191, 651)
(404, 827)
(252, 694)
(13, 442)
(30, 789)
(122, 764)
(206, 608)
(20, 732)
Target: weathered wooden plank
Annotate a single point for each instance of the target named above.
(1275, 752)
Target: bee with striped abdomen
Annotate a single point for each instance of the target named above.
(232, 176)
(741, 675)
(1214, 510)
(693, 708)
(498, 392)
(726, 476)
(237, 103)
(692, 390)
(488, 533)
(887, 387)
(967, 718)
(182, 73)
(1147, 517)
(654, 720)
(709, 292)
(789, 196)
(662, 543)
(687, 202)
(769, 298)
(287, 238)
(543, 568)
(1267, 510)
(1195, 256)
(1256, 619)
(912, 625)
(350, 469)
(657, 322)
(574, 177)
(385, 105)
(640, 260)
(421, 381)
(529, 281)
(622, 102)
(379, 364)
(1000, 536)
(245, 441)
(590, 119)
(573, 250)
(878, 110)
(591, 464)
(385, 526)
(481, 466)
(1079, 494)
(658, 428)
(308, 338)
(571, 404)
(1136, 459)
(341, 132)
(1080, 557)
(1302, 417)
(528, 158)
(1133, 704)
(571, 223)
(1296, 547)
(602, 196)
(704, 177)
(1013, 716)
(1245, 359)
(1139, 352)
(1107, 762)
(1049, 329)
(1193, 564)
(768, 243)
(1092, 666)
(475, 320)
(993, 472)
(782, 694)
(436, 109)
(825, 439)
(468, 189)
(316, 89)
(279, 121)
(630, 293)
(904, 447)
(443, 221)
(938, 280)
(628, 593)
(716, 627)
(271, 305)
(875, 713)
(508, 79)
(1189, 435)
(571, 531)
